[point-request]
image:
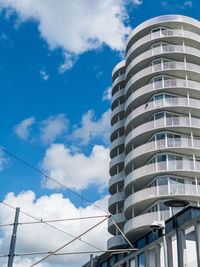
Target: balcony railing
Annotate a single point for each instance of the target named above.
(165, 102)
(161, 34)
(161, 123)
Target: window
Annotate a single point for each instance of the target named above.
(141, 260)
(132, 263)
(190, 255)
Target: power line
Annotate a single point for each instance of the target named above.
(57, 220)
(72, 253)
(54, 227)
(52, 179)
(69, 189)
(63, 246)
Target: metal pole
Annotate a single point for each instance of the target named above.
(165, 247)
(91, 260)
(13, 239)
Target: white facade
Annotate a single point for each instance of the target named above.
(155, 133)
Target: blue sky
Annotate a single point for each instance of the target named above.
(56, 59)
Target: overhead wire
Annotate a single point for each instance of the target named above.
(56, 220)
(52, 226)
(66, 244)
(52, 179)
(113, 251)
(69, 189)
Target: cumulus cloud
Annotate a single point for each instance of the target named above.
(76, 26)
(77, 171)
(40, 237)
(44, 75)
(22, 129)
(107, 94)
(53, 127)
(91, 127)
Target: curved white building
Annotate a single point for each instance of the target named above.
(155, 133)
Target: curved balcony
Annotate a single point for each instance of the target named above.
(116, 160)
(118, 109)
(116, 143)
(182, 145)
(117, 81)
(169, 68)
(165, 35)
(117, 126)
(179, 104)
(142, 133)
(142, 95)
(170, 51)
(114, 180)
(144, 198)
(116, 242)
(117, 198)
(120, 65)
(118, 94)
(139, 225)
(119, 219)
(143, 175)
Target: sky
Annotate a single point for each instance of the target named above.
(56, 60)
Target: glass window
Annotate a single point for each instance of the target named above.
(151, 258)
(141, 259)
(141, 243)
(190, 255)
(112, 261)
(132, 263)
(160, 136)
(162, 157)
(159, 115)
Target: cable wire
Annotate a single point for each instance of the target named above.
(52, 179)
(57, 220)
(52, 253)
(69, 189)
(54, 227)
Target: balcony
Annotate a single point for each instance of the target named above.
(114, 180)
(178, 104)
(141, 176)
(116, 242)
(183, 145)
(164, 36)
(144, 198)
(141, 133)
(142, 94)
(119, 219)
(169, 68)
(137, 226)
(117, 198)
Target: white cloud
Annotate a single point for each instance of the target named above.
(22, 129)
(53, 127)
(137, 2)
(44, 75)
(70, 60)
(187, 4)
(77, 171)
(107, 95)
(76, 26)
(91, 128)
(39, 237)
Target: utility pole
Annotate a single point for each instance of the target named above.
(13, 239)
